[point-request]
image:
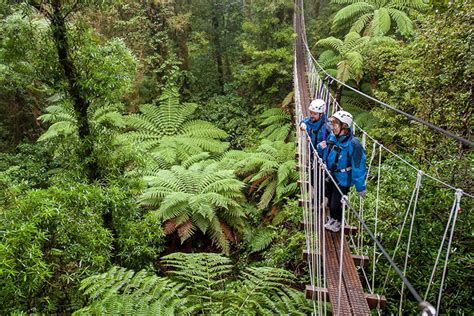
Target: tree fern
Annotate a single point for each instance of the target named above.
(201, 197)
(195, 284)
(62, 117)
(206, 270)
(374, 17)
(270, 171)
(345, 56)
(276, 123)
(265, 291)
(260, 238)
(169, 133)
(122, 291)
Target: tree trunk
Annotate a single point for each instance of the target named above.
(58, 24)
(181, 39)
(227, 63)
(217, 45)
(317, 6)
(81, 104)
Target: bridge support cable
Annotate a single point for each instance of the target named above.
(459, 194)
(402, 229)
(417, 192)
(390, 107)
(377, 199)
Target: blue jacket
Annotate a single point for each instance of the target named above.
(351, 155)
(316, 130)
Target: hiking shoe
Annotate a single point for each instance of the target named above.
(335, 226)
(329, 222)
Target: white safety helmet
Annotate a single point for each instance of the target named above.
(317, 106)
(343, 116)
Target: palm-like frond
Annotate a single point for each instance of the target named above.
(381, 22)
(198, 195)
(404, 5)
(265, 291)
(329, 59)
(276, 123)
(375, 17)
(198, 283)
(348, 59)
(404, 23)
(270, 169)
(356, 63)
(261, 238)
(169, 132)
(352, 11)
(331, 42)
(62, 117)
(122, 291)
(361, 22)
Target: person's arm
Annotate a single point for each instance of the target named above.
(359, 169)
(303, 124)
(322, 148)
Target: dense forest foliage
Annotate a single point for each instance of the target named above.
(147, 158)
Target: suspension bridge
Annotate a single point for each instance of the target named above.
(341, 281)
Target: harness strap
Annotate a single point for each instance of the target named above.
(344, 169)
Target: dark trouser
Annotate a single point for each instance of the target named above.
(334, 199)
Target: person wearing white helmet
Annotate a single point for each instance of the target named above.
(316, 126)
(345, 158)
(314, 123)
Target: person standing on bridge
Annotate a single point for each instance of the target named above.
(345, 159)
(314, 126)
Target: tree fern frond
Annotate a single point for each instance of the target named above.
(404, 5)
(404, 23)
(381, 22)
(194, 159)
(62, 128)
(351, 11)
(267, 195)
(331, 42)
(167, 132)
(328, 59)
(361, 23)
(356, 63)
(261, 239)
(202, 129)
(202, 191)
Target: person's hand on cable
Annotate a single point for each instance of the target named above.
(323, 144)
(303, 126)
